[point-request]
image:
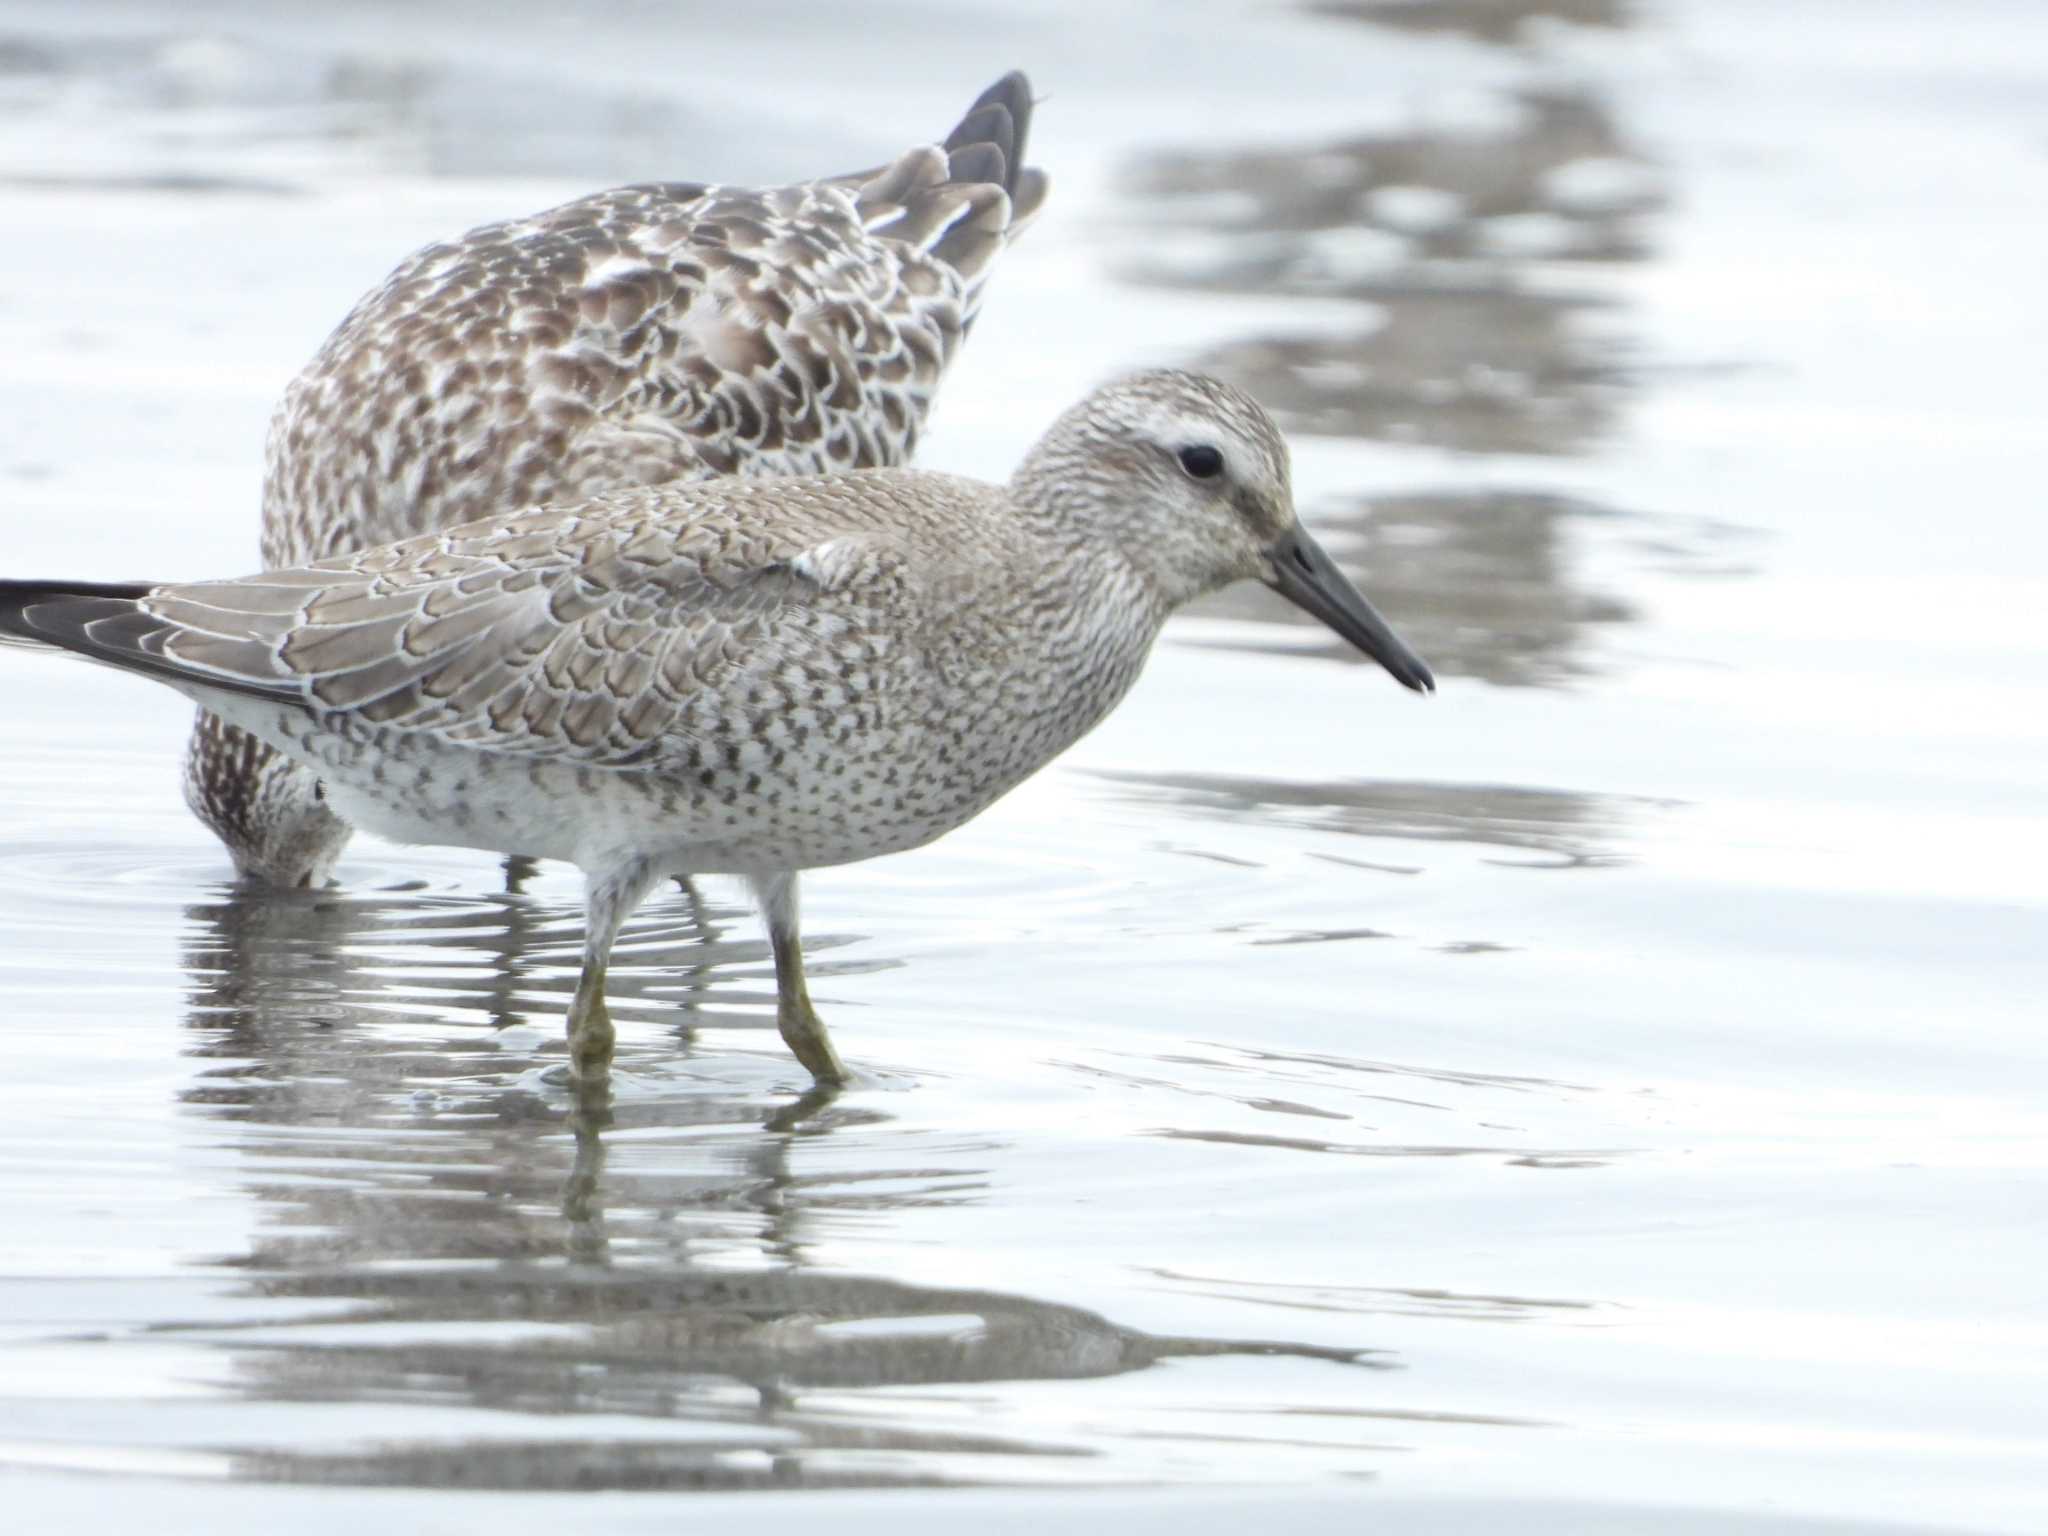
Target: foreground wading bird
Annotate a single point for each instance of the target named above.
(642, 335)
(749, 677)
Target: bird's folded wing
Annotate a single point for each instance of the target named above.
(540, 638)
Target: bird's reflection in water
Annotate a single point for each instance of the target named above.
(1533, 828)
(1452, 238)
(1493, 21)
(463, 1235)
(1477, 253)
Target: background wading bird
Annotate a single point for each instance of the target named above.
(652, 333)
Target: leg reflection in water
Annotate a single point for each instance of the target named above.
(456, 1233)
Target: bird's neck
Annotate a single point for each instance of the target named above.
(1069, 506)
(1093, 619)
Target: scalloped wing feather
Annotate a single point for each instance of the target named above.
(556, 635)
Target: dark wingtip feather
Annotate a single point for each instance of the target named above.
(45, 612)
(1001, 116)
(962, 201)
(982, 162)
(1013, 94)
(102, 621)
(983, 127)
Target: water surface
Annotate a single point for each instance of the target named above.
(1601, 1097)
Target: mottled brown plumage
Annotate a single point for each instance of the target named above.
(748, 677)
(639, 336)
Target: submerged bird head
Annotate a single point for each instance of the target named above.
(1188, 477)
(271, 813)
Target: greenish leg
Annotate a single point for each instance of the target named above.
(591, 1036)
(609, 900)
(802, 1030)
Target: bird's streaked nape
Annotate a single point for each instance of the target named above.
(750, 677)
(651, 333)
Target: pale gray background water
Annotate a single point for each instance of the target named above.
(1606, 1096)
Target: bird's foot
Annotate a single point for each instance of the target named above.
(804, 1033)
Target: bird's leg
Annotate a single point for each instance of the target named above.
(802, 1030)
(609, 899)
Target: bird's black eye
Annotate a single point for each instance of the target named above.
(1201, 461)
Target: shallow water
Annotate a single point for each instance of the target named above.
(1602, 1097)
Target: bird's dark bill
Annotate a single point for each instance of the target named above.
(1310, 580)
